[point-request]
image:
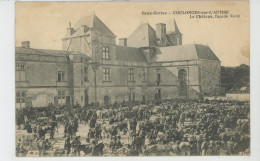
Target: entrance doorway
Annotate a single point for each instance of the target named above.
(106, 100)
(182, 76)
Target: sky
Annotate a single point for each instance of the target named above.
(44, 23)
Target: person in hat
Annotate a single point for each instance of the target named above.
(66, 124)
(70, 130)
(46, 145)
(98, 131)
(114, 131)
(67, 146)
(95, 148)
(118, 143)
(41, 133)
(76, 146)
(91, 134)
(52, 131)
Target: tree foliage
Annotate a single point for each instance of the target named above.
(234, 78)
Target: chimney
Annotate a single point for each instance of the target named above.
(161, 33)
(26, 44)
(69, 30)
(123, 42)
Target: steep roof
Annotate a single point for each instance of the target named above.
(176, 30)
(184, 52)
(94, 22)
(129, 54)
(143, 36)
(204, 52)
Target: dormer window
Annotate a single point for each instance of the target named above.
(105, 52)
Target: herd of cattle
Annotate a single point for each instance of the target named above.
(174, 127)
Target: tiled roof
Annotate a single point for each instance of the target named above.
(92, 22)
(204, 52)
(129, 54)
(184, 52)
(143, 36)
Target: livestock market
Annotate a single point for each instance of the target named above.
(179, 127)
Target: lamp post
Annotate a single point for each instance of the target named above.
(95, 66)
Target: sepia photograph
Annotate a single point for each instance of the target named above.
(168, 78)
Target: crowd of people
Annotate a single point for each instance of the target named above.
(174, 127)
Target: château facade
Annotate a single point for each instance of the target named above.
(91, 68)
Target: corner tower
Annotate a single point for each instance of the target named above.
(174, 38)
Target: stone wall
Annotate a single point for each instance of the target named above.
(210, 77)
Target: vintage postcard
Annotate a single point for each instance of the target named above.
(132, 78)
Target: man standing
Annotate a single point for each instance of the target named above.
(65, 128)
(76, 146)
(67, 146)
(92, 122)
(46, 145)
(52, 133)
(41, 133)
(70, 130)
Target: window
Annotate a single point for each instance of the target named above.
(61, 76)
(106, 74)
(20, 67)
(86, 74)
(20, 99)
(20, 72)
(105, 52)
(130, 75)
